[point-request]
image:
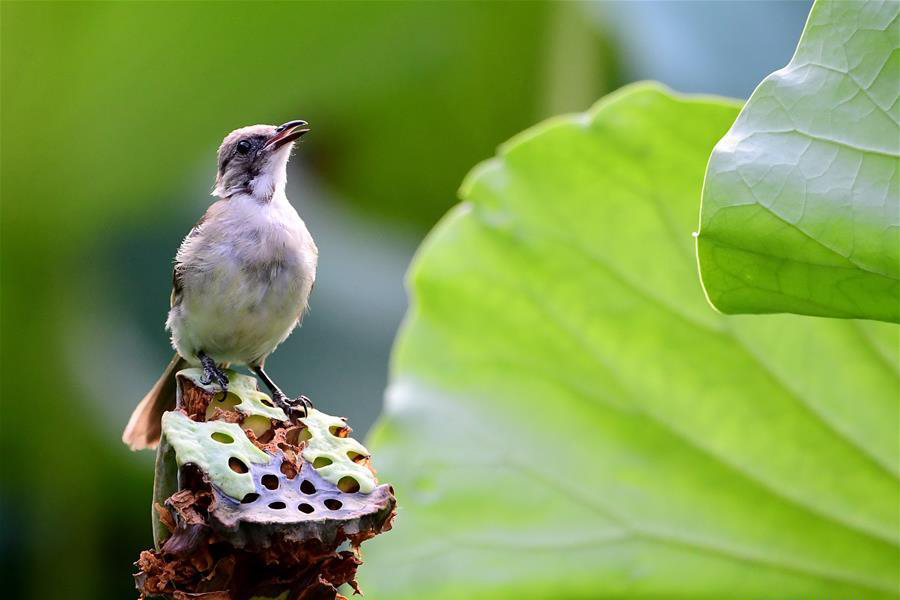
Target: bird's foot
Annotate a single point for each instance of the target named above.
(211, 373)
(294, 408)
(305, 402)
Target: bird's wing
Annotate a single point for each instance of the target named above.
(177, 286)
(177, 270)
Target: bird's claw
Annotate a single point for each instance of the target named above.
(211, 373)
(294, 408)
(303, 401)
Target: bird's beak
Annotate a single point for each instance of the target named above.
(286, 133)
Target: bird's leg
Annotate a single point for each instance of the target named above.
(212, 372)
(277, 395)
(288, 405)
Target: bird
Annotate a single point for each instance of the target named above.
(242, 276)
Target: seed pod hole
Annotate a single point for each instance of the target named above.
(277, 505)
(307, 487)
(333, 504)
(237, 465)
(305, 508)
(270, 482)
(222, 438)
(223, 402)
(250, 498)
(356, 456)
(321, 461)
(297, 435)
(340, 431)
(289, 469)
(348, 484)
(258, 424)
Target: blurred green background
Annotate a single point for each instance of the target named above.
(110, 114)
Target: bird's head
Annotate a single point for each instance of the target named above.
(253, 160)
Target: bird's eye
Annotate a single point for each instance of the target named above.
(243, 147)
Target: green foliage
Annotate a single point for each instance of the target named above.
(568, 418)
(130, 95)
(801, 208)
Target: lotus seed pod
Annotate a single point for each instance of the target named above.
(275, 498)
(345, 456)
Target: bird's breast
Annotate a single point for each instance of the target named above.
(246, 286)
(267, 268)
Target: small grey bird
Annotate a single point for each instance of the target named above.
(242, 275)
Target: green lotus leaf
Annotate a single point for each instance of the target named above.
(568, 418)
(801, 207)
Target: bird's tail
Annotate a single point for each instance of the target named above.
(144, 426)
